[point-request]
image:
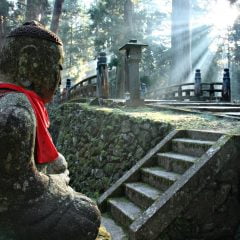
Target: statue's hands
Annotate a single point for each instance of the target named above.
(59, 182)
(58, 166)
(65, 176)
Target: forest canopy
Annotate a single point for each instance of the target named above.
(210, 34)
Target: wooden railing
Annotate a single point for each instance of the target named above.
(84, 89)
(197, 90)
(191, 91)
(204, 91)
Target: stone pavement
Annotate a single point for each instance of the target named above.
(219, 109)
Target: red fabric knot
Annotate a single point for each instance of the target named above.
(45, 150)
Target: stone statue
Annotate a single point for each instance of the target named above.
(35, 204)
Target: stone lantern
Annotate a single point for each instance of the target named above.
(133, 54)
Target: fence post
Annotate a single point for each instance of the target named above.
(226, 91)
(68, 87)
(197, 85)
(211, 90)
(68, 83)
(180, 92)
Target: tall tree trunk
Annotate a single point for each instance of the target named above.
(235, 64)
(36, 10)
(128, 18)
(4, 14)
(1, 32)
(33, 10)
(122, 84)
(181, 66)
(44, 12)
(57, 11)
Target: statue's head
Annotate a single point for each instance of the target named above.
(32, 57)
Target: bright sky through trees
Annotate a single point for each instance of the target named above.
(219, 14)
(212, 44)
(222, 14)
(219, 17)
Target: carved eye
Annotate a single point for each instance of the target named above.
(60, 67)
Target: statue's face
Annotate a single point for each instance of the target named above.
(51, 81)
(34, 64)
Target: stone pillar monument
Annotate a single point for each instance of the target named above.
(102, 76)
(133, 52)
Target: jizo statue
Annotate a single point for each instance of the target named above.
(35, 204)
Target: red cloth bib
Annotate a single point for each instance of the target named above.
(45, 150)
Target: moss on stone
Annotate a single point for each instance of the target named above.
(177, 120)
(101, 138)
(103, 234)
(115, 139)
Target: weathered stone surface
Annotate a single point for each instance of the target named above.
(202, 204)
(34, 205)
(210, 208)
(108, 141)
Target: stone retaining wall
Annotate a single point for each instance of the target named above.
(101, 145)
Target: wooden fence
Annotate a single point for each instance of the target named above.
(191, 91)
(84, 89)
(196, 90)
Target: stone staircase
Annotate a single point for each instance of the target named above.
(146, 199)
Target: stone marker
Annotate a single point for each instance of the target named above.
(133, 52)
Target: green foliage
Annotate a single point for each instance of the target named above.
(75, 34)
(14, 12)
(12, 15)
(103, 27)
(108, 25)
(111, 31)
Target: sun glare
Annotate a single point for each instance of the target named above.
(219, 14)
(218, 19)
(222, 15)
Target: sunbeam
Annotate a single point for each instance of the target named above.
(222, 15)
(212, 38)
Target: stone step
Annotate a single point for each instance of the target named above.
(175, 162)
(191, 146)
(141, 194)
(235, 114)
(116, 231)
(215, 108)
(158, 177)
(124, 211)
(192, 103)
(203, 135)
